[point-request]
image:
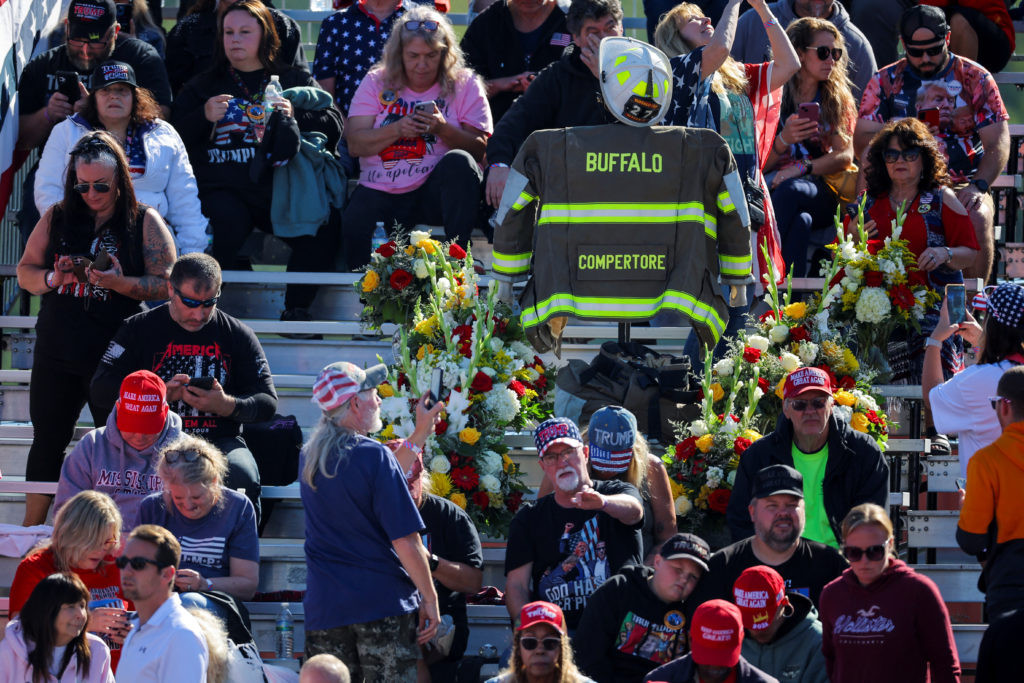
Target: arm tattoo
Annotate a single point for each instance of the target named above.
(158, 257)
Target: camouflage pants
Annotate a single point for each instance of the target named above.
(382, 651)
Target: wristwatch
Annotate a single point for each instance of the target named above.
(949, 255)
(434, 562)
(982, 184)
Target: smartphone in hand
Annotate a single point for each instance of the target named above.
(80, 263)
(436, 381)
(67, 85)
(102, 261)
(956, 304)
(124, 16)
(205, 383)
(425, 107)
(810, 111)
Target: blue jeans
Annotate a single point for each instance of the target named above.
(802, 205)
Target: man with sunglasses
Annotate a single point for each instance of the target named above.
(975, 156)
(995, 479)
(92, 37)
(166, 642)
(841, 467)
(216, 372)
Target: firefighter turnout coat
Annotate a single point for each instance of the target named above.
(618, 223)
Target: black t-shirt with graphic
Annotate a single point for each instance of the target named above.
(573, 551)
(812, 566)
(224, 348)
(450, 535)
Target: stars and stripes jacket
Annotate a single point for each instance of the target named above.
(619, 223)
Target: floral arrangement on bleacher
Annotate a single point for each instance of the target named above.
(402, 273)
(493, 382)
(874, 287)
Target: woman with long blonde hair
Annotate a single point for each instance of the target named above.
(817, 139)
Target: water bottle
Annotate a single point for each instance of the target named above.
(380, 236)
(321, 5)
(272, 94)
(284, 631)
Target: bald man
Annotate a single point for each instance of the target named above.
(324, 668)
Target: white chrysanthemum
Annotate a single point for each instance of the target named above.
(683, 506)
(725, 367)
(419, 266)
(848, 251)
(865, 402)
(715, 475)
(489, 462)
(808, 351)
(698, 428)
(790, 362)
(779, 333)
(457, 403)
(523, 351)
(417, 236)
(502, 403)
(873, 305)
(440, 464)
(490, 483)
(758, 342)
(844, 413)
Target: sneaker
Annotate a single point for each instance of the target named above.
(298, 315)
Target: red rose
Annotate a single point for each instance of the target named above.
(873, 278)
(719, 500)
(514, 501)
(482, 382)
(767, 317)
(464, 333)
(847, 382)
(441, 427)
(751, 355)
(741, 444)
(762, 384)
(903, 297)
(480, 498)
(400, 279)
(455, 251)
(686, 448)
(917, 278)
(875, 246)
(799, 333)
(465, 478)
(388, 249)
(517, 386)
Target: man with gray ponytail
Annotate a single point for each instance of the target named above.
(370, 599)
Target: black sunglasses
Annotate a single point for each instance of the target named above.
(824, 52)
(891, 155)
(196, 303)
(854, 554)
(531, 643)
(78, 42)
(429, 26)
(174, 456)
(996, 400)
(137, 563)
(801, 405)
(101, 187)
(917, 52)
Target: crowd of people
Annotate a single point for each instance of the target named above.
(159, 155)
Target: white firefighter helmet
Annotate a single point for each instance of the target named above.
(636, 80)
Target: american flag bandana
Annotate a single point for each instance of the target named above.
(338, 382)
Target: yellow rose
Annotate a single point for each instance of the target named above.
(796, 310)
(385, 390)
(845, 398)
(717, 392)
(469, 435)
(778, 389)
(440, 484)
(751, 434)
(705, 443)
(410, 250)
(370, 281)
(427, 246)
(859, 422)
(459, 499)
(506, 462)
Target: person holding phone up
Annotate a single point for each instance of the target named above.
(816, 140)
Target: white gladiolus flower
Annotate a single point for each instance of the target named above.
(458, 402)
(758, 393)
(419, 267)
(725, 367)
(887, 266)
(808, 351)
(779, 333)
(417, 236)
(444, 284)
(439, 463)
(855, 273)
(394, 409)
(848, 251)
(849, 284)
(731, 479)
(789, 361)
(758, 342)
(873, 306)
(821, 320)
(698, 428)
(490, 483)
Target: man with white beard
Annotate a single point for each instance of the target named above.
(578, 519)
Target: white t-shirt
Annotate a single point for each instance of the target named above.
(961, 406)
(169, 647)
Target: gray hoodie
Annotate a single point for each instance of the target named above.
(751, 43)
(102, 461)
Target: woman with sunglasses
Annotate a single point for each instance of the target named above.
(881, 620)
(86, 535)
(541, 651)
(82, 307)
(50, 640)
(216, 525)
(817, 139)
(419, 123)
(161, 173)
(905, 167)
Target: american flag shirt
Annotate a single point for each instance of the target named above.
(350, 42)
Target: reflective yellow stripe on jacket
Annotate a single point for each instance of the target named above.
(629, 212)
(511, 264)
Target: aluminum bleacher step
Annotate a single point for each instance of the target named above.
(956, 582)
(943, 473)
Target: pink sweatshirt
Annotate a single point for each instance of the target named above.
(14, 666)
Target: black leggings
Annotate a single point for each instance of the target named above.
(56, 398)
